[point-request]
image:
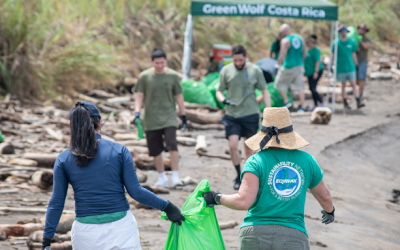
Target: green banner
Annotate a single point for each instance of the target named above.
(211, 8)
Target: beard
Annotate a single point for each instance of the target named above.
(241, 67)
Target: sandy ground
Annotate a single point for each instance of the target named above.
(359, 152)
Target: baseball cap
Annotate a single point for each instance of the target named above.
(93, 110)
(343, 27)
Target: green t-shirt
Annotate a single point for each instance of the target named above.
(159, 98)
(294, 56)
(241, 90)
(285, 175)
(362, 54)
(313, 56)
(344, 62)
(274, 49)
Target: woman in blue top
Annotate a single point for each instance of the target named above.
(313, 69)
(99, 172)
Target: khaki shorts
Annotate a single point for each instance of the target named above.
(290, 78)
(272, 237)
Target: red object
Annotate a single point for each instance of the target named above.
(220, 51)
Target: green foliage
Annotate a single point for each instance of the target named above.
(52, 46)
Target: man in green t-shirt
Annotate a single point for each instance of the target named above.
(274, 188)
(275, 48)
(159, 88)
(290, 74)
(346, 64)
(362, 58)
(240, 79)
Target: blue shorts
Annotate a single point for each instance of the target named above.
(362, 71)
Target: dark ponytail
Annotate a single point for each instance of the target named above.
(83, 136)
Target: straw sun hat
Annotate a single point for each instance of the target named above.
(277, 131)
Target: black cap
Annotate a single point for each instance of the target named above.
(93, 110)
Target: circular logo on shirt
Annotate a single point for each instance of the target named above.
(296, 43)
(286, 181)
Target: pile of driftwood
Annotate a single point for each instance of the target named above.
(34, 137)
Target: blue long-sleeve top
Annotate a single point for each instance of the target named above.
(99, 186)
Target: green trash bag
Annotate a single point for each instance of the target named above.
(276, 97)
(140, 131)
(209, 78)
(353, 34)
(1, 137)
(197, 92)
(200, 230)
(212, 88)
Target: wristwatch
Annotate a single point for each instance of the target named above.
(218, 199)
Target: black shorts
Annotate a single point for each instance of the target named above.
(155, 140)
(245, 126)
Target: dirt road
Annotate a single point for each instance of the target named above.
(359, 152)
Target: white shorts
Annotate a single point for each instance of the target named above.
(122, 234)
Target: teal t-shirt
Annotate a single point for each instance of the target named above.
(285, 175)
(313, 56)
(294, 56)
(344, 62)
(274, 49)
(102, 218)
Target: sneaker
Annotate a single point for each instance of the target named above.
(237, 184)
(311, 108)
(300, 110)
(288, 105)
(176, 181)
(360, 104)
(346, 105)
(162, 182)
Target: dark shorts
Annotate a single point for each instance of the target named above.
(155, 140)
(245, 126)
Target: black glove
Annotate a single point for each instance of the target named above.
(174, 213)
(328, 217)
(209, 197)
(229, 102)
(46, 242)
(184, 123)
(137, 117)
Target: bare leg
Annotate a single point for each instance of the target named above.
(284, 96)
(174, 156)
(361, 84)
(344, 95)
(302, 97)
(249, 152)
(158, 161)
(234, 149)
(355, 89)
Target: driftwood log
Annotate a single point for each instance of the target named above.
(43, 179)
(224, 157)
(30, 210)
(201, 143)
(43, 160)
(204, 118)
(228, 225)
(195, 126)
(22, 162)
(54, 246)
(142, 177)
(20, 230)
(321, 115)
(6, 148)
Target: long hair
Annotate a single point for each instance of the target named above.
(83, 143)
